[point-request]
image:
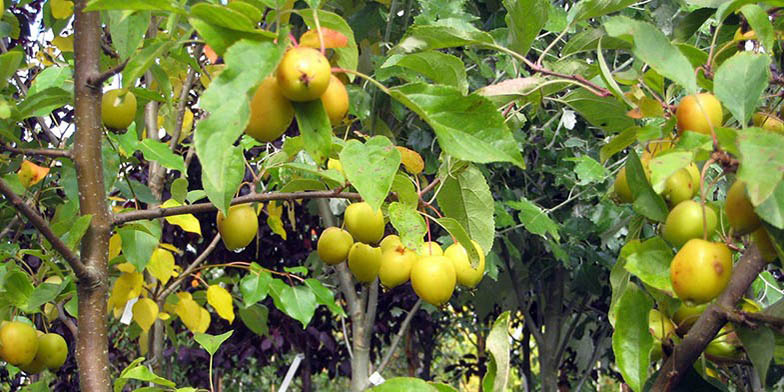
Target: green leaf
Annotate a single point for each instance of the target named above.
(247, 63)
(137, 245)
(9, 63)
(740, 81)
(772, 209)
(404, 189)
(179, 190)
(618, 143)
(143, 373)
(525, 20)
(347, 57)
(653, 47)
(256, 317)
(497, 376)
(608, 78)
(325, 296)
(43, 102)
(651, 263)
(408, 384)
(453, 227)
(127, 30)
(371, 167)
(646, 202)
(631, 340)
(432, 37)
(441, 68)
(255, 286)
(761, 24)
(18, 288)
(76, 231)
(603, 112)
(593, 8)
(141, 61)
(222, 16)
(408, 223)
(221, 38)
(211, 343)
(298, 302)
(762, 162)
(691, 23)
(315, 129)
(466, 197)
(534, 218)
(45, 292)
(154, 150)
(468, 127)
(759, 344)
(135, 5)
(665, 165)
(588, 170)
(587, 40)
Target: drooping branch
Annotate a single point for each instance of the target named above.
(209, 207)
(710, 322)
(97, 81)
(43, 227)
(197, 262)
(46, 152)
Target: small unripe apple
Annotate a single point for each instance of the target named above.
(687, 315)
(239, 228)
(18, 343)
(303, 74)
(684, 222)
(364, 223)
(466, 275)
(433, 279)
(333, 245)
(768, 122)
(661, 328)
(699, 113)
(118, 108)
(335, 100)
(678, 187)
(270, 112)
(364, 261)
(621, 187)
(766, 249)
(694, 172)
(740, 212)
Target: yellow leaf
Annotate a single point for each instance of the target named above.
(189, 312)
(274, 220)
(65, 44)
(161, 265)
(115, 246)
(127, 286)
(411, 160)
(187, 222)
(164, 316)
(125, 267)
(204, 321)
(61, 9)
(291, 214)
(144, 345)
(170, 248)
(220, 299)
(30, 173)
(145, 311)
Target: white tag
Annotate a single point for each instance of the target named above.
(292, 371)
(127, 315)
(568, 119)
(376, 379)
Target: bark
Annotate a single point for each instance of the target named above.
(553, 317)
(92, 343)
(527, 357)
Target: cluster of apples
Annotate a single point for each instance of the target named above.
(303, 75)
(433, 272)
(33, 351)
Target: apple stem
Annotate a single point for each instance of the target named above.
(293, 40)
(702, 198)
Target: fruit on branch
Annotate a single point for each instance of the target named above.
(335, 100)
(365, 224)
(764, 244)
(678, 187)
(768, 121)
(725, 345)
(466, 275)
(701, 270)
(430, 248)
(621, 187)
(687, 315)
(396, 264)
(661, 328)
(364, 261)
(333, 245)
(390, 242)
(303, 74)
(51, 354)
(335, 164)
(699, 113)
(694, 172)
(740, 212)
(18, 343)
(270, 112)
(239, 228)
(118, 108)
(433, 279)
(684, 222)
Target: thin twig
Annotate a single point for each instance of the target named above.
(398, 336)
(67, 321)
(98, 80)
(46, 152)
(200, 259)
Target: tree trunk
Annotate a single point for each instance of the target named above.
(92, 342)
(553, 318)
(527, 358)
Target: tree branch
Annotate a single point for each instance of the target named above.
(159, 212)
(710, 322)
(372, 306)
(97, 81)
(186, 88)
(67, 321)
(398, 336)
(200, 259)
(47, 152)
(43, 226)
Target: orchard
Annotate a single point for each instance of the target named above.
(533, 195)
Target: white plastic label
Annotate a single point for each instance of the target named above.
(127, 315)
(376, 379)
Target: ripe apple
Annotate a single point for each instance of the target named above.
(118, 108)
(364, 261)
(365, 224)
(303, 74)
(390, 242)
(430, 248)
(335, 100)
(766, 249)
(270, 112)
(740, 212)
(333, 245)
(699, 113)
(684, 222)
(768, 121)
(466, 276)
(18, 343)
(396, 264)
(239, 228)
(433, 279)
(701, 270)
(678, 187)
